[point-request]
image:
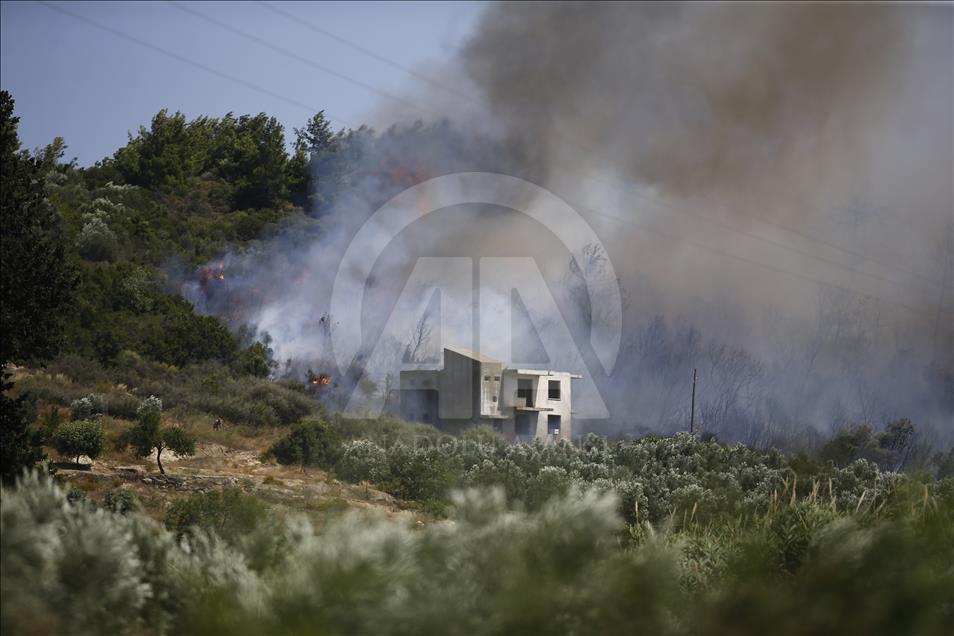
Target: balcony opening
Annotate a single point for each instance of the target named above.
(524, 392)
(553, 390)
(553, 424)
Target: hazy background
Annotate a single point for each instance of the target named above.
(772, 183)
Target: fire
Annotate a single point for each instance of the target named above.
(221, 276)
(322, 379)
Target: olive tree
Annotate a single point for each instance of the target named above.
(75, 439)
(148, 434)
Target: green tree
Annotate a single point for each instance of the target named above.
(75, 439)
(160, 157)
(316, 135)
(20, 445)
(148, 435)
(36, 276)
(254, 360)
(258, 160)
(309, 443)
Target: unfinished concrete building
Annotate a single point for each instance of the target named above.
(471, 389)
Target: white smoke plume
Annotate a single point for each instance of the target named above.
(771, 182)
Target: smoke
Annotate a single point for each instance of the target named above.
(771, 182)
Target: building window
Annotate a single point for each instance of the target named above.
(496, 378)
(486, 378)
(494, 398)
(524, 392)
(553, 390)
(522, 425)
(553, 424)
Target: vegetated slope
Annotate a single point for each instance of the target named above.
(794, 565)
(658, 535)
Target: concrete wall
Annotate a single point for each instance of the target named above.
(463, 392)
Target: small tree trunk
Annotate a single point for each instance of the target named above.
(158, 461)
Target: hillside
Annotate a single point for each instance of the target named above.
(165, 474)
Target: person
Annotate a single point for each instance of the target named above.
(216, 424)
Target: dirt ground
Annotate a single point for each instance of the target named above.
(286, 490)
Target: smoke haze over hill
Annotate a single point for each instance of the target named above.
(771, 183)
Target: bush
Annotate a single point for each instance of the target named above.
(87, 407)
(310, 443)
(75, 439)
(496, 569)
(150, 409)
(96, 241)
(228, 512)
(418, 474)
(362, 460)
(120, 501)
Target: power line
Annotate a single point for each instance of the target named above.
(300, 58)
(656, 200)
(368, 52)
(191, 62)
(309, 108)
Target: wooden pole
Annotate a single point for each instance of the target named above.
(692, 409)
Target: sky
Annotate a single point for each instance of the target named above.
(92, 85)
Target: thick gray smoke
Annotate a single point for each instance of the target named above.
(772, 183)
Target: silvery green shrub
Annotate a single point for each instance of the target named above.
(88, 406)
(150, 408)
(362, 460)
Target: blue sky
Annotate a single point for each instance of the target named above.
(91, 86)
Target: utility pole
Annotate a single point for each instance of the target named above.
(692, 409)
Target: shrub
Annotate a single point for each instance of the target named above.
(87, 407)
(96, 241)
(121, 404)
(150, 409)
(418, 474)
(309, 443)
(228, 512)
(362, 460)
(254, 361)
(120, 500)
(75, 439)
(495, 569)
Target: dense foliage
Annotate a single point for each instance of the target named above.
(571, 567)
(208, 388)
(36, 272)
(655, 478)
(309, 443)
(79, 438)
(20, 444)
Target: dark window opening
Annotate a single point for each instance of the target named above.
(522, 425)
(486, 378)
(553, 424)
(525, 392)
(496, 378)
(553, 390)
